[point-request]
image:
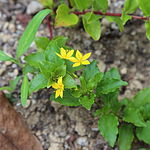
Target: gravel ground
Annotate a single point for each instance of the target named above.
(70, 128)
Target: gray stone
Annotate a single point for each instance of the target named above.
(82, 141)
(34, 7)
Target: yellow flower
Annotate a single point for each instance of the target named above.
(65, 54)
(59, 86)
(80, 59)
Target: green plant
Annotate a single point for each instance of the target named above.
(54, 65)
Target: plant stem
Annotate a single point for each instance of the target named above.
(50, 27)
(111, 14)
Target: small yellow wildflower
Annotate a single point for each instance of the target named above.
(59, 86)
(80, 59)
(65, 54)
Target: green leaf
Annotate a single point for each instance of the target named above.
(82, 4)
(111, 101)
(93, 28)
(13, 83)
(125, 18)
(145, 7)
(60, 71)
(147, 27)
(130, 6)
(108, 126)
(111, 82)
(29, 33)
(38, 82)
(5, 57)
(24, 90)
(67, 100)
(110, 85)
(41, 43)
(53, 48)
(35, 59)
(125, 137)
(91, 75)
(142, 97)
(5, 88)
(100, 5)
(143, 133)
(132, 115)
(29, 69)
(145, 111)
(47, 69)
(69, 82)
(63, 18)
(87, 101)
(47, 3)
(117, 20)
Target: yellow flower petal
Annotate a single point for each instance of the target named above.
(55, 86)
(73, 59)
(86, 56)
(85, 62)
(61, 93)
(59, 55)
(78, 55)
(76, 64)
(57, 94)
(70, 53)
(63, 52)
(60, 80)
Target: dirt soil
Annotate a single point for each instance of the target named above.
(69, 128)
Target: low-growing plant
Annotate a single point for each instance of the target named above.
(54, 65)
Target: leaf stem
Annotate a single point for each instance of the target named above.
(110, 14)
(50, 27)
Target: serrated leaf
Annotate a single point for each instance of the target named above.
(111, 82)
(82, 4)
(100, 5)
(143, 133)
(5, 57)
(41, 43)
(24, 90)
(37, 83)
(69, 82)
(87, 101)
(111, 102)
(147, 27)
(126, 137)
(117, 20)
(132, 115)
(113, 73)
(145, 7)
(108, 126)
(63, 18)
(142, 97)
(93, 28)
(30, 32)
(35, 59)
(67, 100)
(110, 85)
(130, 6)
